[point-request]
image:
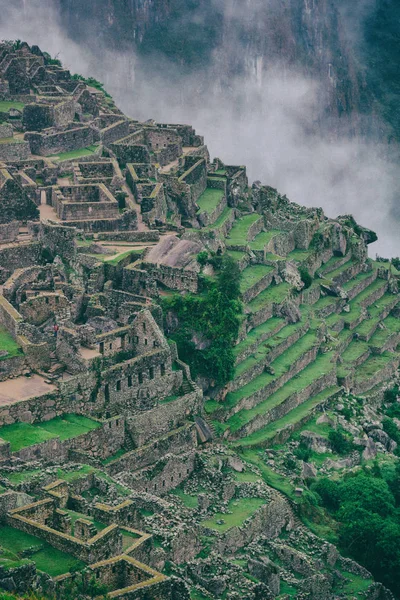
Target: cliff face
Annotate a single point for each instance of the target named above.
(226, 40)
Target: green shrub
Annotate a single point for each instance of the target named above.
(202, 258)
(215, 317)
(391, 395)
(305, 277)
(302, 452)
(339, 442)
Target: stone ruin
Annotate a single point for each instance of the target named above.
(111, 452)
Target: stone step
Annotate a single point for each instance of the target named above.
(257, 336)
(288, 365)
(279, 431)
(312, 380)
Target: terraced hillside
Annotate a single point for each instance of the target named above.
(301, 343)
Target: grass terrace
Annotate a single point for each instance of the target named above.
(280, 365)
(379, 307)
(115, 260)
(240, 229)
(356, 281)
(373, 365)
(311, 373)
(263, 238)
(299, 255)
(237, 255)
(262, 331)
(47, 559)
(252, 275)
(188, 500)
(297, 415)
(209, 200)
(240, 509)
(22, 435)
(380, 337)
(354, 351)
(339, 270)
(274, 294)
(332, 263)
(8, 344)
(6, 106)
(88, 151)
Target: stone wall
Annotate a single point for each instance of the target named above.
(175, 442)
(165, 475)
(15, 205)
(48, 143)
(269, 521)
(173, 278)
(106, 543)
(14, 150)
(291, 402)
(114, 131)
(152, 424)
(99, 443)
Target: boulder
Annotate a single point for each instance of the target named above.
(308, 470)
(370, 450)
(292, 276)
(267, 572)
(315, 442)
(236, 464)
(382, 437)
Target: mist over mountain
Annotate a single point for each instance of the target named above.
(301, 91)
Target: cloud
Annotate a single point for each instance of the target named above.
(268, 117)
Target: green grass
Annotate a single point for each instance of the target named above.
(247, 477)
(252, 275)
(270, 477)
(339, 270)
(47, 559)
(356, 280)
(263, 238)
(287, 590)
(312, 372)
(356, 584)
(299, 255)
(209, 200)
(380, 305)
(373, 365)
(188, 500)
(354, 351)
(11, 140)
(380, 337)
(135, 253)
(240, 229)
(331, 264)
(115, 456)
(237, 255)
(22, 435)
(128, 539)
(226, 213)
(5, 106)
(252, 337)
(74, 153)
(240, 510)
(8, 344)
(274, 294)
(293, 417)
(280, 365)
(75, 516)
(69, 426)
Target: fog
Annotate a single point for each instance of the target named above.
(267, 119)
